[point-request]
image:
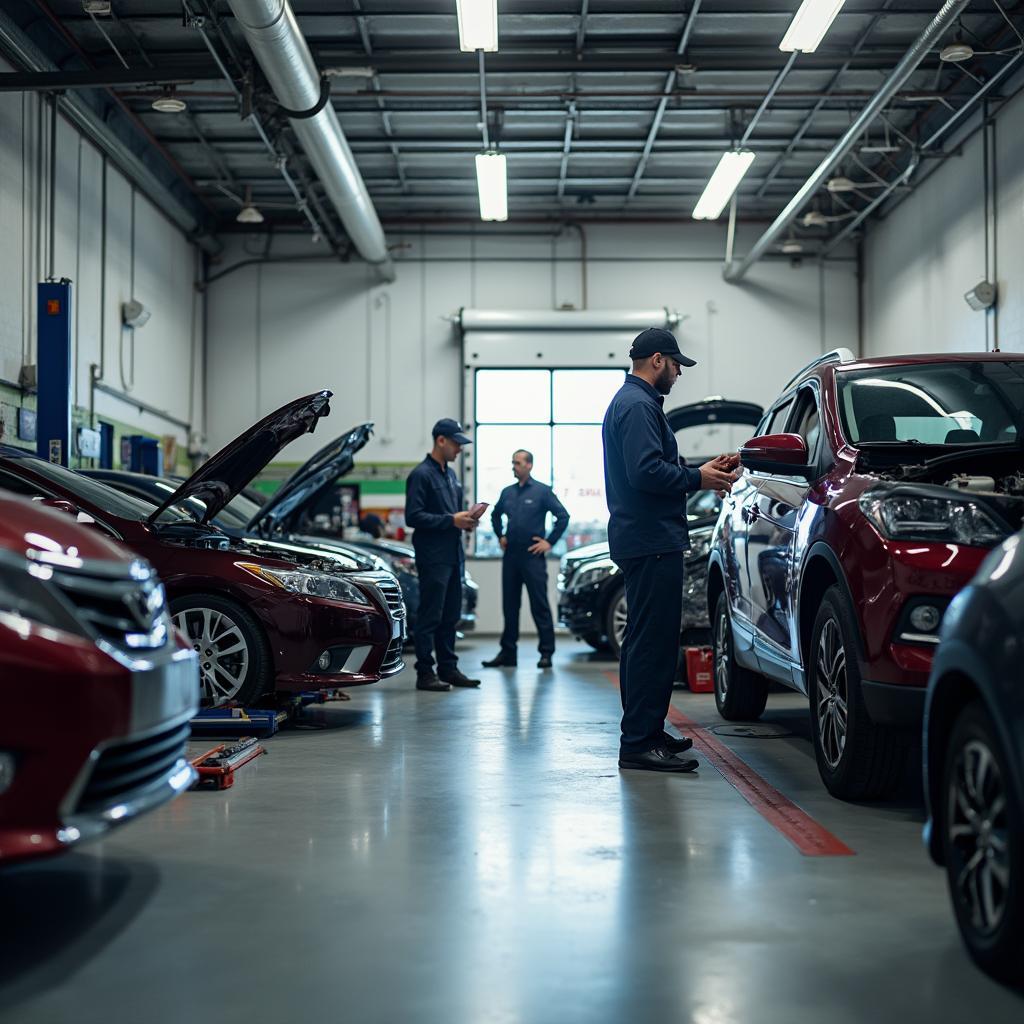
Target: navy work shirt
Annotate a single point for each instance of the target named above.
(433, 495)
(645, 480)
(526, 507)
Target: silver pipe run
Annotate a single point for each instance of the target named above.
(280, 48)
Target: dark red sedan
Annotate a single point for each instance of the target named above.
(97, 689)
(261, 615)
(870, 495)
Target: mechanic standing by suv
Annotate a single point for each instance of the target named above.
(433, 508)
(646, 485)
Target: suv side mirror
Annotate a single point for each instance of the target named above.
(776, 453)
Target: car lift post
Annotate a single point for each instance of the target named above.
(53, 373)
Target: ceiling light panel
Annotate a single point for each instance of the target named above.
(808, 28)
(478, 25)
(726, 179)
(492, 184)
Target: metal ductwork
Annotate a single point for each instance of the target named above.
(280, 48)
(946, 15)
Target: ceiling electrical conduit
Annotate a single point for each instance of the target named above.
(276, 41)
(946, 15)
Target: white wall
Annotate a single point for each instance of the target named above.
(168, 361)
(390, 354)
(931, 249)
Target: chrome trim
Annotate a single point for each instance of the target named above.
(919, 638)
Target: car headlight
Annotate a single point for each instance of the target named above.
(312, 584)
(592, 574)
(923, 518)
(24, 594)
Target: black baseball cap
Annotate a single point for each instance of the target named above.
(655, 339)
(452, 429)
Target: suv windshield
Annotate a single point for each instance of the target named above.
(954, 403)
(104, 496)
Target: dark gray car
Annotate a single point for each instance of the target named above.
(974, 760)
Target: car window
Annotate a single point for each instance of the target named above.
(806, 421)
(934, 403)
(777, 420)
(19, 486)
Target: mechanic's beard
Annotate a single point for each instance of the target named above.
(665, 380)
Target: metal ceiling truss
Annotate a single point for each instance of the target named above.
(624, 107)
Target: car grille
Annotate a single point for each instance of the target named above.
(129, 613)
(126, 768)
(393, 658)
(389, 590)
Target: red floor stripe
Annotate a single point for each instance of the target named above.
(810, 838)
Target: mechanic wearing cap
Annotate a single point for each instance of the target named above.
(646, 484)
(525, 505)
(433, 508)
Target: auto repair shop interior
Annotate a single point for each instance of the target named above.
(327, 329)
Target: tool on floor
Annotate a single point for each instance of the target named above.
(232, 721)
(217, 766)
(700, 669)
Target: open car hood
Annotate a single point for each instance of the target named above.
(224, 475)
(310, 480)
(714, 410)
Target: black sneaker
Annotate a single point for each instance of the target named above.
(501, 661)
(545, 661)
(456, 678)
(658, 760)
(429, 681)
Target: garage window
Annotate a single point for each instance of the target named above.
(556, 414)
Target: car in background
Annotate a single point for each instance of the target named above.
(284, 518)
(97, 689)
(868, 499)
(262, 616)
(974, 760)
(592, 594)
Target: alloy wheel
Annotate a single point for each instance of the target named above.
(722, 653)
(222, 649)
(619, 615)
(831, 694)
(978, 834)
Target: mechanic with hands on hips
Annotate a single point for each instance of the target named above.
(646, 484)
(525, 504)
(433, 508)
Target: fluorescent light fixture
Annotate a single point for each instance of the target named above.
(808, 28)
(478, 25)
(726, 179)
(492, 184)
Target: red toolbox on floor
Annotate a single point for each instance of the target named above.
(700, 669)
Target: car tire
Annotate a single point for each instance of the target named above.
(976, 779)
(615, 619)
(740, 694)
(857, 758)
(234, 657)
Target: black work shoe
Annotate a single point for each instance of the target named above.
(456, 678)
(677, 745)
(501, 661)
(545, 661)
(429, 681)
(658, 760)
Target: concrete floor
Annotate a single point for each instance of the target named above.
(477, 857)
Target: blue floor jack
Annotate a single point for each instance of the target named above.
(231, 721)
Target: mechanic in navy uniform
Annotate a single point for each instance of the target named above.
(646, 485)
(526, 504)
(433, 508)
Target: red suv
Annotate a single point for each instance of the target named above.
(262, 615)
(97, 689)
(869, 497)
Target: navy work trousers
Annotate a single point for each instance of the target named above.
(520, 568)
(438, 617)
(650, 650)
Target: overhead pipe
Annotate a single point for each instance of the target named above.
(282, 52)
(919, 49)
